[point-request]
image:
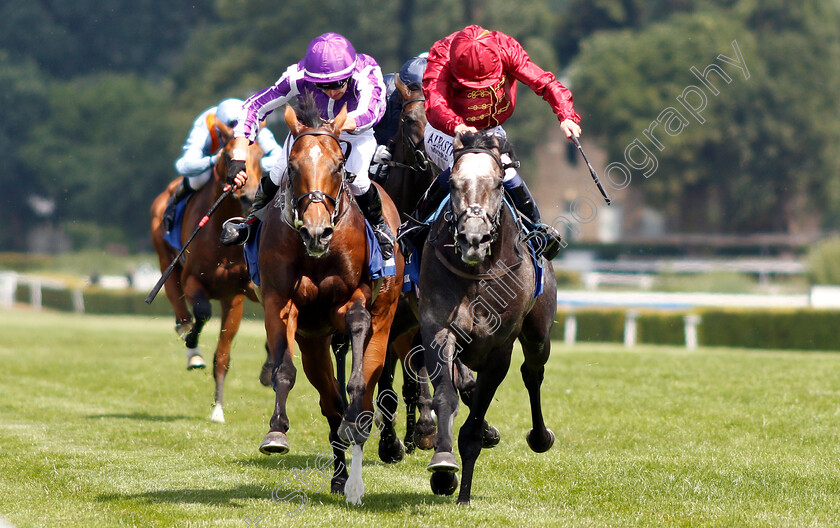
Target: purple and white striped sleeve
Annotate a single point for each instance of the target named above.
(262, 103)
(371, 87)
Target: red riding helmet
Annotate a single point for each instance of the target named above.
(474, 58)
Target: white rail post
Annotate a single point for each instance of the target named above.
(630, 328)
(8, 287)
(691, 321)
(570, 329)
(35, 294)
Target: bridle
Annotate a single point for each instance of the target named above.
(318, 196)
(476, 210)
(419, 162)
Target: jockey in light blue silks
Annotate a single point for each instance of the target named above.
(336, 76)
(201, 152)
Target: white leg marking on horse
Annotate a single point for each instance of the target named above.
(355, 488)
(218, 415)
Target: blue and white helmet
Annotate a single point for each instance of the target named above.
(230, 111)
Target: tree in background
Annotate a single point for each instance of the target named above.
(762, 160)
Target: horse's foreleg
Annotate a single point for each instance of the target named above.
(280, 327)
(465, 381)
(231, 318)
(172, 287)
(202, 309)
(317, 365)
(439, 350)
(340, 346)
(470, 436)
(355, 427)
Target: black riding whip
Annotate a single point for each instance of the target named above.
(156, 289)
(592, 171)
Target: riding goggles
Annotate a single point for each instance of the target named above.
(335, 85)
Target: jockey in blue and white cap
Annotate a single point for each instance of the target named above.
(201, 151)
(336, 76)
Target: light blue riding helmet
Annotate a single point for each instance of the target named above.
(229, 111)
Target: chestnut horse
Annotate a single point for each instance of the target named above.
(315, 282)
(480, 292)
(208, 269)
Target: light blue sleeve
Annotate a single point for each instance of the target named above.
(195, 158)
(271, 149)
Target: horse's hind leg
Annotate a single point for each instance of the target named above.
(414, 368)
(470, 436)
(536, 349)
(202, 310)
(391, 449)
(231, 318)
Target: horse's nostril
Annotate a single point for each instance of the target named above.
(486, 239)
(327, 233)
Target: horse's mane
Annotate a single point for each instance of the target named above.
(485, 140)
(307, 112)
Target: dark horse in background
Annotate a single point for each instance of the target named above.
(208, 269)
(410, 175)
(315, 282)
(478, 284)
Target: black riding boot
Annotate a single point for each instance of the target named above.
(180, 193)
(525, 204)
(238, 230)
(371, 205)
(412, 234)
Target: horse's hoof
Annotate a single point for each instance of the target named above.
(337, 485)
(443, 482)
(218, 415)
(196, 362)
(391, 449)
(490, 437)
(275, 442)
(443, 461)
(540, 445)
(353, 433)
(182, 329)
(409, 444)
(266, 373)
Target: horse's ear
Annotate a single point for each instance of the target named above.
(457, 143)
(291, 119)
(339, 120)
(405, 91)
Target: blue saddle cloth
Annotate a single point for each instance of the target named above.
(377, 266)
(173, 238)
(411, 278)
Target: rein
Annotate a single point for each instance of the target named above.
(319, 196)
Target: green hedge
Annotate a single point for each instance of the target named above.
(774, 329)
(127, 302)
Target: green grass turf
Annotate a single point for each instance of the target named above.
(101, 425)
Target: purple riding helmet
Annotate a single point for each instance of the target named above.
(329, 58)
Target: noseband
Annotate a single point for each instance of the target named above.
(476, 210)
(318, 196)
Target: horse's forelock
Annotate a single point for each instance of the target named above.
(307, 113)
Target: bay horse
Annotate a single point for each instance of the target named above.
(315, 282)
(478, 284)
(208, 269)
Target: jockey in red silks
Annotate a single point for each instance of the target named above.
(336, 76)
(470, 85)
(201, 151)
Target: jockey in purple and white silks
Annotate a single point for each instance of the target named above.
(336, 76)
(201, 151)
